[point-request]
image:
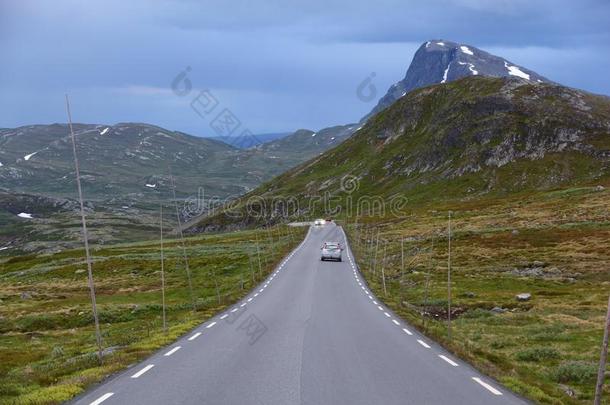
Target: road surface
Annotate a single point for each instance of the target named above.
(312, 333)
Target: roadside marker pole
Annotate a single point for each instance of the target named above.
(449, 280)
(258, 252)
(251, 270)
(376, 249)
(385, 247)
(162, 269)
(184, 255)
(402, 257)
(98, 335)
(601, 373)
(427, 287)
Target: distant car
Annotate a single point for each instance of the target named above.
(331, 251)
(319, 222)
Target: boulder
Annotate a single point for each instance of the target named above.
(523, 297)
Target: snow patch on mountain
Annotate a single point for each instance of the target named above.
(515, 71)
(28, 157)
(470, 67)
(24, 215)
(445, 74)
(104, 131)
(151, 185)
(466, 50)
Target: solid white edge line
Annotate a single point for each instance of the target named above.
(407, 331)
(487, 386)
(195, 336)
(210, 325)
(102, 398)
(448, 360)
(174, 350)
(424, 344)
(145, 369)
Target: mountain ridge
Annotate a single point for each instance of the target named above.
(442, 61)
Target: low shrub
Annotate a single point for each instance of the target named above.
(575, 371)
(537, 354)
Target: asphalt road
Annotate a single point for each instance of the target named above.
(312, 333)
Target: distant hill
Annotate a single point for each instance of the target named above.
(474, 137)
(250, 141)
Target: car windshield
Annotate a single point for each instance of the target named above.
(331, 247)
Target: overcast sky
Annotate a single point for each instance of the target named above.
(277, 65)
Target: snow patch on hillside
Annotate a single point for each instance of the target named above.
(24, 215)
(515, 71)
(470, 67)
(28, 157)
(466, 50)
(445, 74)
(104, 131)
(151, 185)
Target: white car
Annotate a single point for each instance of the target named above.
(331, 251)
(319, 222)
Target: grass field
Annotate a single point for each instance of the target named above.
(553, 245)
(47, 342)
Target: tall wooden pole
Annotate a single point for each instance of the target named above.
(184, 255)
(449, 279)
(98, 335)
(162, 269)
(385, 291)
(402, 257)
(601, 373)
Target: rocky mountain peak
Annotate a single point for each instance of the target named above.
(441, 61)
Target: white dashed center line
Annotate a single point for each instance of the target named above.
(380, 308)
(407, 331)
(448, 360)
(234, 310)
(174, 350)
(243, 305)
(395, 322)
(487, 386)
(256, 295)
(386, 314)
(224, 316)
(145, 369)
(102, 398)
(249, 299)
(424, 344)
